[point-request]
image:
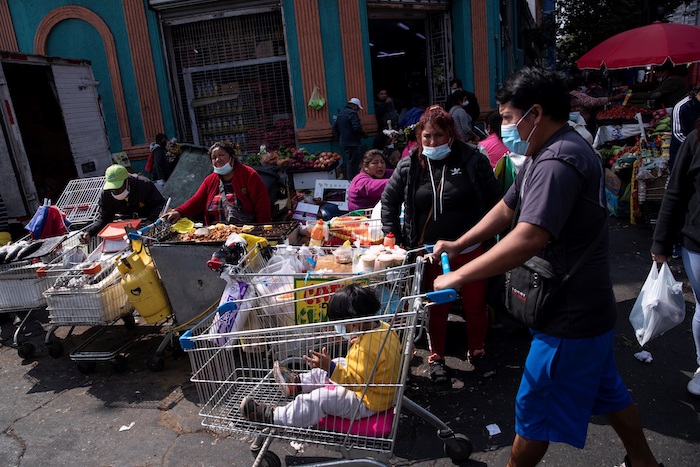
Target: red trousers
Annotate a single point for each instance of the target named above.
(473, 296)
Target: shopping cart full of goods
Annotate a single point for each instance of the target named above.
(86, 290)
(233, 363)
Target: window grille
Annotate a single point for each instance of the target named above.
(233, 81)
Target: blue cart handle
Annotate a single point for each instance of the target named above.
(445, 262)
(138, 234)
(441, 297)
(185, 342)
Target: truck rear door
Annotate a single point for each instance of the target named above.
(77, 94)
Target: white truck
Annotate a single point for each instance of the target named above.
(51, 129)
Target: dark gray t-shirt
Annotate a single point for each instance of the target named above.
(563, 194)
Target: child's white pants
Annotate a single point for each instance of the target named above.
(320, 397)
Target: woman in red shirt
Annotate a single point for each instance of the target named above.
(233, 194)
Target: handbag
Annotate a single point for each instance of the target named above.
(533, 287)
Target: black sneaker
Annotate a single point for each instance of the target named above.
(255, 411)
(438, 373)
(287, 380)
(482, 364)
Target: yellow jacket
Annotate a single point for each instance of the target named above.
(360, 360)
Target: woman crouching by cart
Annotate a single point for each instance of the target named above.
(233, 194)
(446, 186)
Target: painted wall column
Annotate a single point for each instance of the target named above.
(480, 51)
(77, 12)
(313, 71)
(144, 70)
(353, 59)
(8, 40)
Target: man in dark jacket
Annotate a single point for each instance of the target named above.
(385, 110)
(128, 195)
(348, 129)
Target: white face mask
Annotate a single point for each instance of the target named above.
(123, 195)
(437, 153)
(224, 170)
(342, 330)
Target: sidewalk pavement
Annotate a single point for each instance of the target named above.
(54, 415)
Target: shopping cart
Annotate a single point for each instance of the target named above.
(86, 291)
(230, 366)
(21, 289)
(79, 201)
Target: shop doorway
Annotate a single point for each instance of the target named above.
(411, 55)
(43, 130)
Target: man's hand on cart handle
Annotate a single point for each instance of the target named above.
(450, 280)
(319, 360)
(444, 246)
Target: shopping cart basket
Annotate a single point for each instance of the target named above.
(21, 289)
(230, 366)
(85, 291)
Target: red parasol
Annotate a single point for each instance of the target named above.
(644, 46)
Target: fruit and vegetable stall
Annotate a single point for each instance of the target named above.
(633, 143)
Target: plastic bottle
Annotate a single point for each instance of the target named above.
(389, 240)
(305, 258)
(318, 234)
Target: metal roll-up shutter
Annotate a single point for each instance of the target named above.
(231, 78)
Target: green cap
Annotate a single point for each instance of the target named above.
(115, 176)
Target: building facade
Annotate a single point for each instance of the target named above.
(244, 70)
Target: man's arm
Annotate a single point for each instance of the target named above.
(513, 250)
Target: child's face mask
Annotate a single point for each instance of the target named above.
(343, 331)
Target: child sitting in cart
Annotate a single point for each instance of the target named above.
(335, 387)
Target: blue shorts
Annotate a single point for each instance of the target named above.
(565, 382)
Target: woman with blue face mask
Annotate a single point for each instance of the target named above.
(232, 194)
(446, 186)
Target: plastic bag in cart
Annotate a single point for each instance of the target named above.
(231, 317)
(660, 305)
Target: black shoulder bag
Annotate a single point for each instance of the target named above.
(533, 287)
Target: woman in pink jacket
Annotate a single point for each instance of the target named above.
(367, 187)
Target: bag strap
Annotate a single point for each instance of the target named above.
(425, 227)
(586, 254)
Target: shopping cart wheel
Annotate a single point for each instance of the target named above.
(129, 321)
(55, 349)
(458, 448)
(119, 363)
(270, 459)
(156, 363)
(26, 350)
(87, 367)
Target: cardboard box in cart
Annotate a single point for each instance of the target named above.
(64, 93)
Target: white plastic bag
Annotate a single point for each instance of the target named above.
(659, 306)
